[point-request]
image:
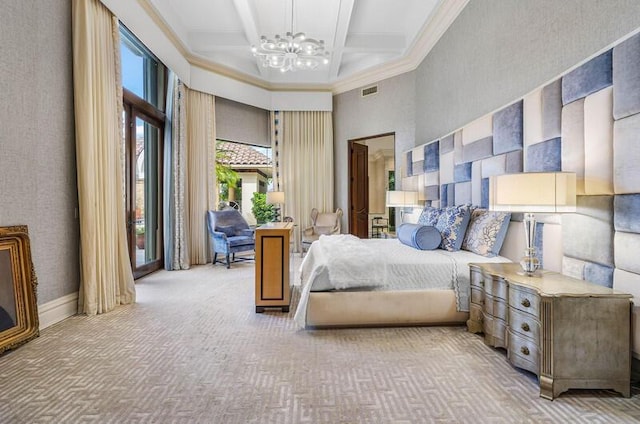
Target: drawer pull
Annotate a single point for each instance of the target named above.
(524, 350)
(526, 303)
(525, 326)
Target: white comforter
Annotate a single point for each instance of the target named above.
(343, 262)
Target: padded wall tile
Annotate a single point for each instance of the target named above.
(496, 165)
(463, 193)
(573, 141)
(573, 267)
(417, 153)
(552, 110)
(628, 282)
(446, 168)
(532, 122)
(626, 248)
(626, 213)
(446, 144)
(409, 164)
(462, 173)
(485, 193)
(508, 129)
(626, 78)
(513, 162)
(590, 77)
(432, 178)
(544, 157)
(588, 234)
(601, 275)
(457, 147)
(598, 142)
(432, 157)
(476, 183)
(626, 155)
(432, 192)
(478, 129)
(447, 195)
(418, 167)
(477, 150)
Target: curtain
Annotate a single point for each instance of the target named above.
(302, 146)
(106, 279)
(200, 181)
(176, 246)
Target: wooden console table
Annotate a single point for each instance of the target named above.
(273, 266)
(571, 333)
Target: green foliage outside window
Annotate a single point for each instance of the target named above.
(262, 211)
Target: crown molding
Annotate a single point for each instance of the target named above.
(447, 11)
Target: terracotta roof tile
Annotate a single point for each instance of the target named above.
(242, 154)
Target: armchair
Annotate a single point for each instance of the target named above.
(326, 223)
(229, 234)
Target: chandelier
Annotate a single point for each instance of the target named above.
(290, 52)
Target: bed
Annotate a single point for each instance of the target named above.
(350, 282)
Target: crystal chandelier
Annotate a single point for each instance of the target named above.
(291, 52)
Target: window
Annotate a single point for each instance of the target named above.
(144, 82)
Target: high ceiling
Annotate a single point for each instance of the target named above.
(361, 35)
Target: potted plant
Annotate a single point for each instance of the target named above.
(140, 236)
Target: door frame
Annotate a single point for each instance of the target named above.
(359, 140)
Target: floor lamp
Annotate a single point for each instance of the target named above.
(276, 198)
(535, 192)
(401, 199)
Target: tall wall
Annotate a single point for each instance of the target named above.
(497, 51)
(37, 148)
(392, 109)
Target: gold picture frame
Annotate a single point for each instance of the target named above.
(18, 305)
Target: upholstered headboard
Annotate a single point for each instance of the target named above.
(585, 121)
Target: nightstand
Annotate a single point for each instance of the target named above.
(571, 333)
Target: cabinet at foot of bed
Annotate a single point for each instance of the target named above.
(273, 266)
(571, 333)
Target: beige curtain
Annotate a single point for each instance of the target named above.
(200, 181)
(106, 279)
(303, 160)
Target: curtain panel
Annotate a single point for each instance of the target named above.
(200, 181)
(302, 144)
(106, 279)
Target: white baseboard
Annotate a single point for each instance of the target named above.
(58, 309)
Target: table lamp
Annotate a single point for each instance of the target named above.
(402, 199)
(534, 192)
(276, 198)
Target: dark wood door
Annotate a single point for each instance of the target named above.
(358, 190)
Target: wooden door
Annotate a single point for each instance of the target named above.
(358, 190)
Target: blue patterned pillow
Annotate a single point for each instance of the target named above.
(452, 225)
(486, 232)
(429, 216)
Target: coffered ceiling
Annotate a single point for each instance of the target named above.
(364, 37)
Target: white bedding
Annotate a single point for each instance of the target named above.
(345, 262)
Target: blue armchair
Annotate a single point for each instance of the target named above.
(229, 233)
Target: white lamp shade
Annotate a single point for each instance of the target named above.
(275, 197)
(534, 192)
(402, 198)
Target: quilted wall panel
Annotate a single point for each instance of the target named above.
(586, 121)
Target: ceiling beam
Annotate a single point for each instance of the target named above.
(342, 29)
(246, 15)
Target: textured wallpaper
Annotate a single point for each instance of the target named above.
(37, 147)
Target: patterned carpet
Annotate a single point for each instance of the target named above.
(192, 350)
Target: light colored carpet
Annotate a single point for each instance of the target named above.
(192, 350)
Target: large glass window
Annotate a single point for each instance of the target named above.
(144, 82)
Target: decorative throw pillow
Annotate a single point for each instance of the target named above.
(429, 216)
(418, 236)
(228, 230)
(452, 225)
(486, 232)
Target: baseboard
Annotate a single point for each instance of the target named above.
(58, 309)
